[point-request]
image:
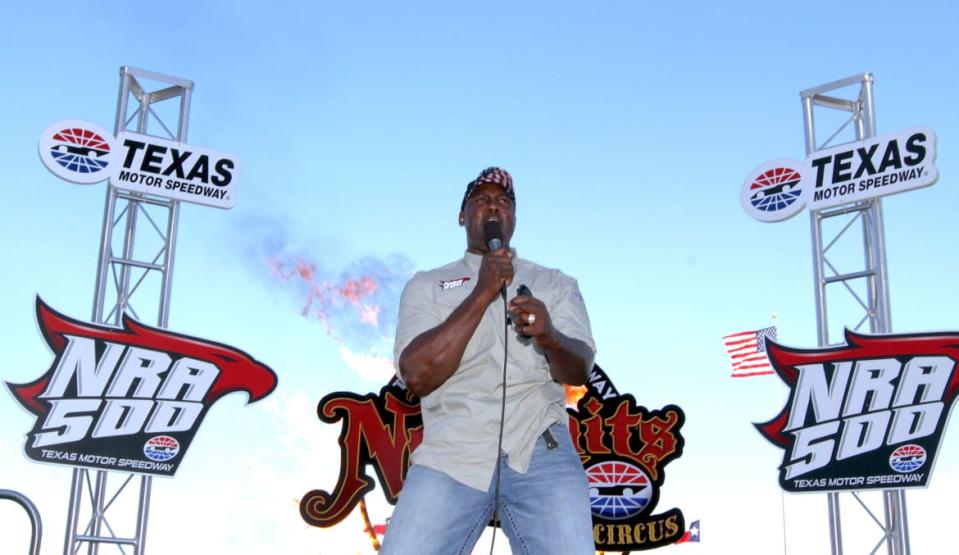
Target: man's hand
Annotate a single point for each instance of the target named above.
(496, 270)
(570, 360)
(530, 318)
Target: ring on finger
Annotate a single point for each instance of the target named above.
(530, 319)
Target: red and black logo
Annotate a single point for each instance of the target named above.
(80, 150)
(624, 448)
(129, 398)
(867, 415)
(775, 189)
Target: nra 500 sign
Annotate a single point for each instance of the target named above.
(884, 165)
(83, 152)
(131, 398)
(867, 415)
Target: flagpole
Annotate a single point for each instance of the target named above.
(367, 525)
(748, 356)
(782, 493)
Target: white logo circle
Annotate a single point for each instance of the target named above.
(775, 191)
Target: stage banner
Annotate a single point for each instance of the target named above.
(869, 414)
(624, 448)
(128, 399)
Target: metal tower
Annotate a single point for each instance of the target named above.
(137, 247)
(849, 258)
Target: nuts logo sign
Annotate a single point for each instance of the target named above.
(128, 399)
(624, 449)
(867, 415)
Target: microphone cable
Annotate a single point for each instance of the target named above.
(502, 419)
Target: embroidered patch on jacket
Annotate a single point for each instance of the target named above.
(444, 285)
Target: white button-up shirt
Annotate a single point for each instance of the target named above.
(461, 418)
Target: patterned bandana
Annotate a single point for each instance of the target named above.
(490, 175)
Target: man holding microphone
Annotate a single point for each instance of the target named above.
(490, 375)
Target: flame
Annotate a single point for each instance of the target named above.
(305, 271)
(355, 289)
(370, 314)
(325, 296)
(357, 308)
(573, 394)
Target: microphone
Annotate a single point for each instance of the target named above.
(523, 290)
(493, 233)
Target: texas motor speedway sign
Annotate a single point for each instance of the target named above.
(128, 399)
(861, 170)
(83, 152)
(175, 170)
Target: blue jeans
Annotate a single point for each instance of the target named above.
(544, 511)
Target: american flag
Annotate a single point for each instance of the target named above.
(747, 351)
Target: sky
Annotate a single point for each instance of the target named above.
(628, 127)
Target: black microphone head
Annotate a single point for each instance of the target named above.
(493, 233)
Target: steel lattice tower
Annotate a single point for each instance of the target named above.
(137, 247)
(864, 287)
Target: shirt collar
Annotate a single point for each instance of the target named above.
(473, 260)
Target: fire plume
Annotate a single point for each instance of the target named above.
(357, 307)
(574, 393)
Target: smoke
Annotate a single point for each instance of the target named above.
(354, 302)
(356, 306)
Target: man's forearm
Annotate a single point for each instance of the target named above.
(570, 360)
(430, 359)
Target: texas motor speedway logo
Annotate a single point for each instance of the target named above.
(130, 398)
(880, 166)
(866, 415)
(77, 151)
(851, 172)
(774, 191)
(184, 172)
(83, 152)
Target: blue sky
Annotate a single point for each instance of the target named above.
(628, 128)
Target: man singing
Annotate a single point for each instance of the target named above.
(452, 339)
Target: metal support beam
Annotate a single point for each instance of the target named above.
(36, 525)
(130, 226)
(872, 274)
